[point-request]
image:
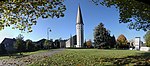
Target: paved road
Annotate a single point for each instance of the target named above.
(24, 61)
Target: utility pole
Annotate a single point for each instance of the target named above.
(48, 30)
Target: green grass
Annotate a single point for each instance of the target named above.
(4, 57)
(94, 57)
(24, 54)
(39, 51)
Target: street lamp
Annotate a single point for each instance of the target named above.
(48, 30)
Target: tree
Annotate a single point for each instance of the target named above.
(19, 44)
(112, 42)
(89, 43)
(41, 43)
(57, 43)
(101, 34)
(29, 45)
(134, 12)
(22, 14)
(84, 44)
(47, 44)
(147, 38)
(122, 41)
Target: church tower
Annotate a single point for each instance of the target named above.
(79, 29)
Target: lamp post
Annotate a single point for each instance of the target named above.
(48, 30)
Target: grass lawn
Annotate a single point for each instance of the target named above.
(39, 51)
(96, 57)
(24, 54)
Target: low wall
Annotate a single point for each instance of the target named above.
(145, 49)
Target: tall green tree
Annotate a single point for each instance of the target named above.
(22, 14)
(147, 38)
(47, 44)
(19, 44)
(112, 41)
(134, 12)
(101, 36)
(29, 45)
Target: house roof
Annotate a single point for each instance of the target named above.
(8, 41)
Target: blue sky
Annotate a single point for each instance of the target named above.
(64, 27)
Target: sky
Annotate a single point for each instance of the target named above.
(64, 27)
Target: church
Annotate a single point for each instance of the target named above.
(78, 39)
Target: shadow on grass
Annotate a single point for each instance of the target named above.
(15, 55)
(140, 59)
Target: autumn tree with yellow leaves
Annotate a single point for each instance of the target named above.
(122, 42)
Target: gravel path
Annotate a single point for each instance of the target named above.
(24, 61)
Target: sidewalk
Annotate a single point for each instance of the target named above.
(24, 61)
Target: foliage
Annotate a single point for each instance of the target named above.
(57, 43)
(133, 12)
(37, 47)
(22, 14)
(19, 44)
(92, 57)
(89, 43)
(41, 43)
(84, 44)
(20, 36)
(147, 38)
(104, 45)
(47, 44)
(122, 41)
(101, 34)
(29, 45)
(112, 42)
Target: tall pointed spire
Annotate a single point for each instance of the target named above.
(79, 16)
(79, 29)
